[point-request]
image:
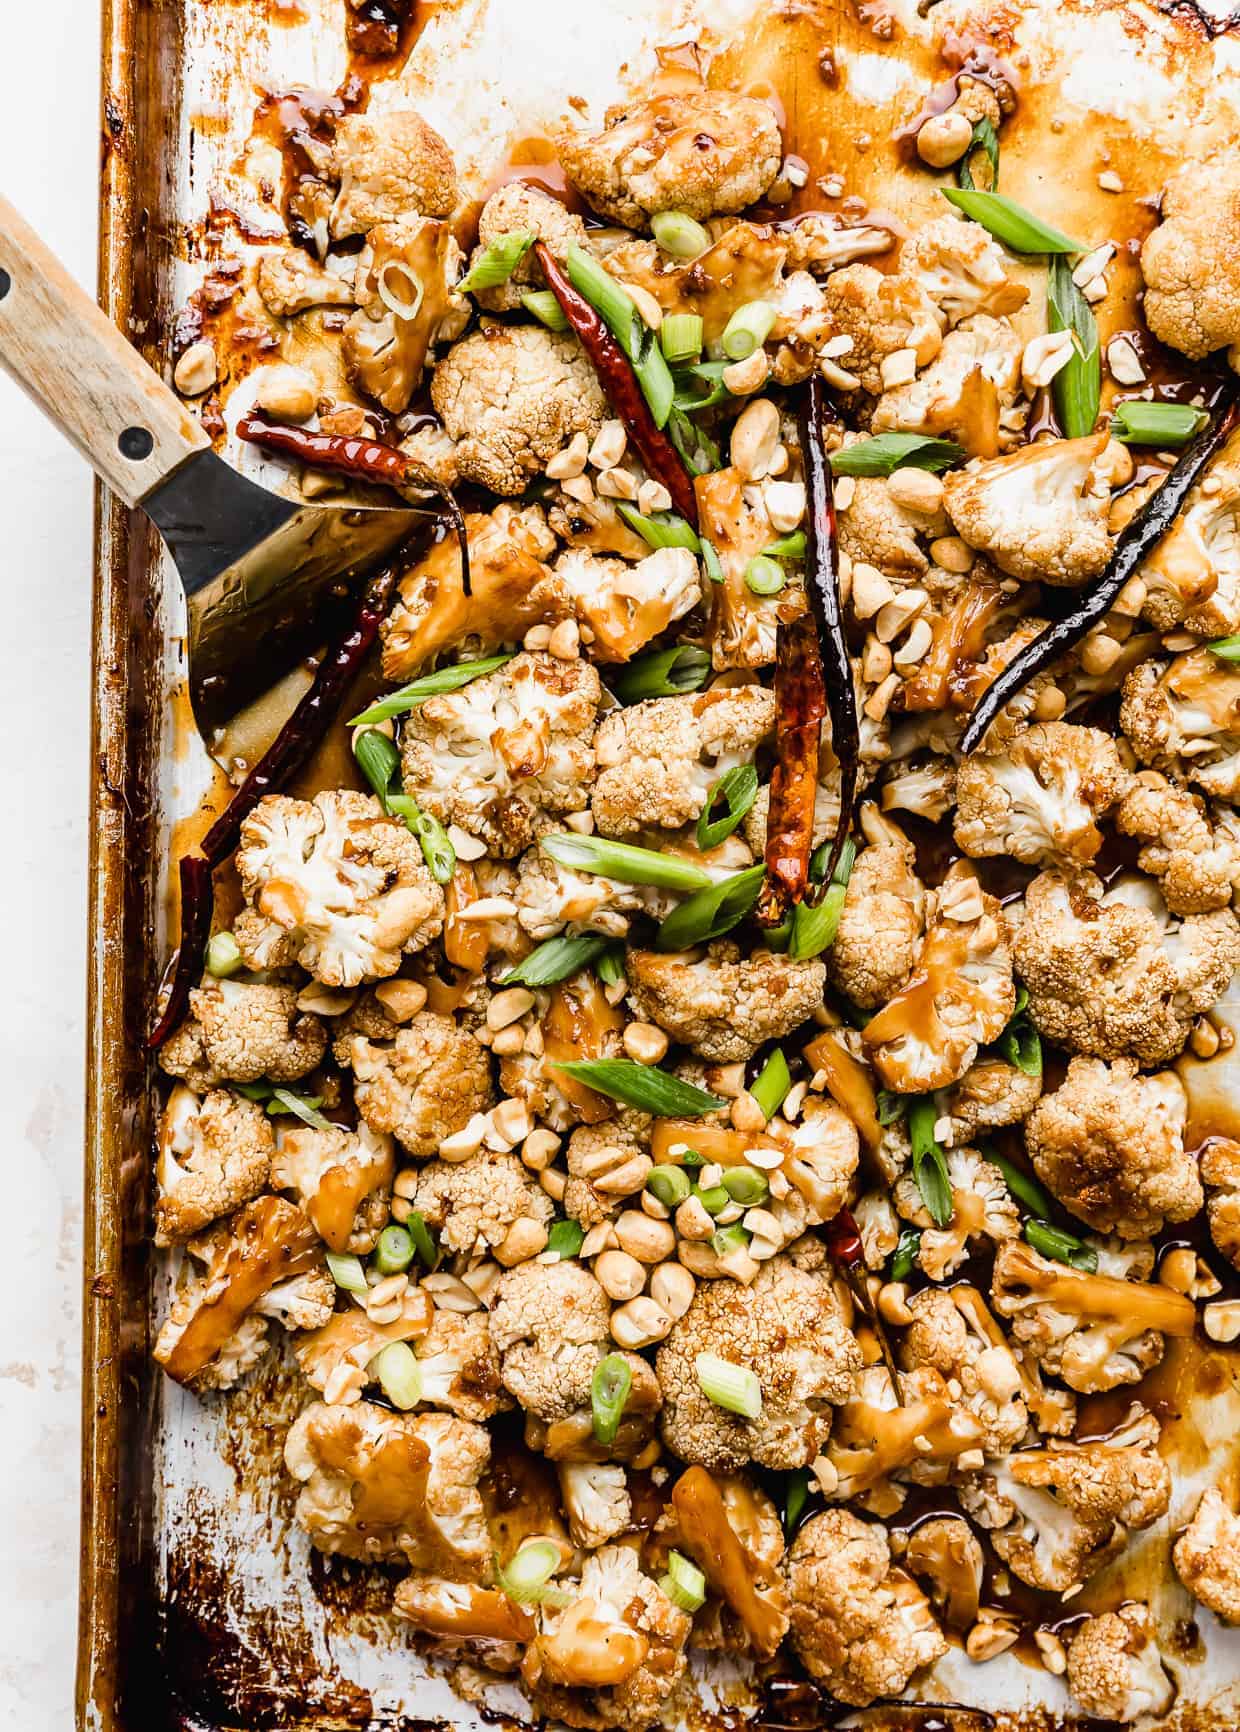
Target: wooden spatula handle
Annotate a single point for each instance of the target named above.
(83, 374)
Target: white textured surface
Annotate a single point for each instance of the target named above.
(49, 143)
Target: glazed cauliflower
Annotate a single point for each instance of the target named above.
(732, 1531)
(342, 1179)
(214, 1154)
(927, 789)
(420, 1083)
(880, 925)
(787, 1328)
(389, 167)
(991, 1094)
(982, 1208)
(1109, 1144)
(1196, 863)
(960, 395)
(704, 152)
(595, 1495)
(333, 884)
(378, 1485)
(506, 751)
(1038, 799)
(1115, 1669)
(1220, 1172)
(944, 1554)
(1183, 717)
(473, 1205)
(859, 1625)
(550, 1323)
(625, 604)
(291, 282)
(1207, 1556)
(239, 1031)
(877, 530)
(607, 1163)
(518, 208)
(404, 292)
(510, 397)
(1111, 977)
(962, 269)
(1040, 513)
(821, 1153)
(743, 626)
(1189, 261)
(882, 314)
(1192, 577)
(939, 1345)
(574, 1020)
(659, 759)
(879, 1446)
(551, 897)
(960, 995)
(459, 1366)
(724, 1005)
(335, 1359)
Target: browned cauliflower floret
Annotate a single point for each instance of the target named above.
(574, 1020)
(423, 1086)
(459, 1366)
(732, 1531)
(1220, 1172)
(292, 282)
(550, 897)
(1197, 864)
(786, 1327)
(659, 759)
(1039, 513)
(1192, 577)
(960, 995)
(743, 626)
(607, 1163)
(378, 1485)
(964, 390)
(406, 305)
(550, 1323)
(877, 530)
(723, 1005)
(880, 926)
(1192, 293)
(336, 1359)
(1111, 977)
(596, 1500)
(1115, 1669)
(878, 1446)
(473, 1205)
(859, 1625)
(392, 166)
(944, 1554)
(982, 1208)
(518, 208)
(821, 1152)
(341, 1178)
(239, 1031)
(991, 1093)
(1183, 717)
(1039, 799)
(940, 1340)
(214, 1153)
(1056, 1515)
(334, 884)
(510, 397)
(505, 750)
(881, 314)
(705, 152)
(624, 604)
(611, 1655)
(962, 269)
(1207, 1556)
(927, 789)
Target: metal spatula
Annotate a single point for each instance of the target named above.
(255, 566)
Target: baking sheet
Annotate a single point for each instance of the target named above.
(202, 1605)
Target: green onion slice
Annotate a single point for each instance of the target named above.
(796, 1496)
(610, 965)
(711, 560)
(641, 1085)
(624, 861)
(660, 528)
(713, 1198)
(399, 1375)
(609, 1394)
(891, 1107)
(1021, 1045)
(984, 138)
(663, 673)
(446, 679)
(524, 1578)
(733, 1387)
(680, 336)
(1226, 648)
(684, 1584)
(887, 452)
(620, 315)
(787, 547)
(394, 1251)
(711, 911)
(346, 1271)
(1023, 1186)
(815, 929)
(904, 1257)
(565, 1239)
(1166, 424)
(378, 760)
(223, 955)
(669, 1185)
(496, 263)
(693, 443)
(555, 959)
(1076, 388)
(746, 1185)
(929, 1161)
(437, 850)
(679, 234)
(1062, 1247)
(748, 329)
(765, 576)
(545, 308)
(302, 1107)
(423, 1240)
(772, 1083)
(725, 1240)
(737, 789)
(1010, 222)
(688, 398)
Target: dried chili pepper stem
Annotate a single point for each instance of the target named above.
(842, 1237)
(1137, 541)
(800, 705)
(619, 382)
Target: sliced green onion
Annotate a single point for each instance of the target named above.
(609, 1394)
(765, 576)
(1063, 1247)
(223, 955)
(891, 1107)
(713, 1198)
(394, 1252)
(662, 674)
(688, 399)
(737, 789)
(641, 1085)
(787, 547)
(1139, 423)
(748, 329)
(746, 1185)
(684, 1584)
(711, 560)
(772, 1083)
(378, 760)
(668, 1185)
(1010, 222)
(680, 335)
(624, 861)
(1076, 388)
(437, 850)
(1022, 999)
(814, 929)
(346, 1271)
(712, 911)
(496, 263)
(660, 528)
(399, 1374)
(1023, 1186)
(255, 1091)
(725, 1240)
(620, 315)
(694, 443)
(929, 1161)
(610, 965)
(545, 308)
(904, 1257)
(446, 679)
(565, 1239)
(778, 937)
(887, 452)
(1226, 648)
(1021, 1045)
(556, 959)
(733, 1387)
(423, 1240)
(526, 1574)
(796, 1496)
(302, 1107)
(984, 138)
(690, 1158)
(679, 234)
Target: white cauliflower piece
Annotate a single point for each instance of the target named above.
(596, 1501)
(881, 314)
(1183, 717)
(549, 1322)
(659, 759)
(624, 604)
(214, 1154)
(1192, 291)
(473, 1205)
(960, 396)
(1039, 513)
(1115, 1669)
(239, 1031)
(880, 927)
(721, 1004)
(519, 208)
(944, 1343)
(551, 897)
(419, 1083)
(1192, 577)
(291, 282)
(990, 1094)
(963, 270)
(1196, 862)
(388, 167)
(342, 1179)
(1220, 1171)
(1207, 1556)
(1038, 799)
(404, 292)
(982, 1209)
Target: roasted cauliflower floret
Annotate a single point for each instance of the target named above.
(1207, 1556)
(624, 604)
(821, 1153)
(939, 1345)
(732, 1531)
(723, 1005)
(335, 885)
(982, 1208)
(473, 1205)
(214, 1154)
(878, 1446)
(510, 397)
(607, 1163)
(596, 1501)
(336, 1358)
(427, 1083)
(291, 282)
(404, 292)
(503, 753)
(705, 152)
(518, 208)
(1220, 1172)
(1109, 1144)
(1183, 717)
(990, 1094)
(1192, 291)
(881, 314)
(1115, 1669)
(551, 897)
(859, 1625)
(880, 926)
(961, 394)
(1040, 513)
(1039, 799)
(962, 269)
(1196, 863)
(945, 1555)
(341, 1178)
(573, 1021)
(1192, 577)
(877, 530)
(459, 1366)
(378, 1485)
(550, 1323)
(239, 1031)
(1110, 978)
(659, 759)
(927, 789)
(787, 1328)
(390, 167)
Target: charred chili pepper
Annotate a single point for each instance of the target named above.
(621, 388)
(197, 904)
(842, 1237)
(822, 584)
(362, 460)
(800, 705)
(1137, 541)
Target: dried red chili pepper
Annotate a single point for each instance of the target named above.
(197, 904)
(842, 1237)
(800, 705)
(620, 385)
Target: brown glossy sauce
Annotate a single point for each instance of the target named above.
(380, 35)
